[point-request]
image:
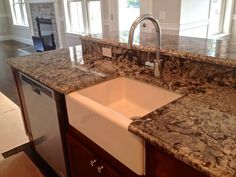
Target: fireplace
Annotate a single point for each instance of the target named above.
(43, 17)
(45, 27)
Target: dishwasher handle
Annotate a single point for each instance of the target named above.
(37, 87)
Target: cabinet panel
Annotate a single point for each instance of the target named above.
(80, 159)
(107, 171)
(161, 164)
(111, 166)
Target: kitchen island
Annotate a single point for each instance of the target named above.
(198, 129)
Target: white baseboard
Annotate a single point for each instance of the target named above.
(16, 38)
(5, 38)
(22, 39)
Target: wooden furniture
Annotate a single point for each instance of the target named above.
(88, 160)
(44, 43)
(161, 164)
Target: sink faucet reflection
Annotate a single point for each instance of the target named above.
(157, 61)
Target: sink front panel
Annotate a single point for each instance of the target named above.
(104, 112)
(109, 130)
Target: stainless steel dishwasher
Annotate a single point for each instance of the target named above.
(44, 123)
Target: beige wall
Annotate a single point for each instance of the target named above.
(4, 24)
(234, 7)
(172, 11)
(233, 30)
(170, 24)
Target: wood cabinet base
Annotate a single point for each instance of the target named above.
(161, 164)
(89, 160)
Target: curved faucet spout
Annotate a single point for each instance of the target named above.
(157, 62)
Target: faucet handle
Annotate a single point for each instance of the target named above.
(157, 68)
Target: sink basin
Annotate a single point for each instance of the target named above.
(103, 113)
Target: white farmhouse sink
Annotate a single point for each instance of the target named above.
(103, 113)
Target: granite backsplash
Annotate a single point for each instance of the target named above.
(177, 69)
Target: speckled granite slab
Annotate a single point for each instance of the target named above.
(197, 133)
(198, 129)
(57, 70)
(174, 68)
(221, 52)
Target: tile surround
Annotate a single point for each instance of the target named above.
(44, 10)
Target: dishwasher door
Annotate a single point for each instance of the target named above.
(44, 123)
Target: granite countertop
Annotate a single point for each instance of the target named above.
(221, 51)
(199, 129)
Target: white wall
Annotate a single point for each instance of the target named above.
(168, 14)
(18, 33)
(4, 24)
(194, 18)
(233, 30)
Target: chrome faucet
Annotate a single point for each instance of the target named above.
(157, 62)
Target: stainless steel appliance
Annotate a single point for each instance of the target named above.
(43, 118)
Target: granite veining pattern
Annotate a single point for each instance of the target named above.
(198, 49)
(199, 129)
(194, 132)
(55, 70)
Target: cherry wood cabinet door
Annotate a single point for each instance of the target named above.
(82, 162)
(106, 171)
(161, 164)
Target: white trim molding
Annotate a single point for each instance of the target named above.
(16, 38)
(22, 39)
(195, 24)
(5, 38)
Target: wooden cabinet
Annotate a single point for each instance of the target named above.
(83, 163)
(108, 171)
(161, 164)
(87, 159)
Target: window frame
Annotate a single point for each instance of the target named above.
(85, 15)
(222, 18)
(22, 4)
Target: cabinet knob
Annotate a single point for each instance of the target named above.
(100, 169)
(92, 162)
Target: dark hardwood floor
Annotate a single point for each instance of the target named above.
(10, 49)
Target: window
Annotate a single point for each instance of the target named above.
(83, 16)
(217, 12)
(19, 13)
(129, 10)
